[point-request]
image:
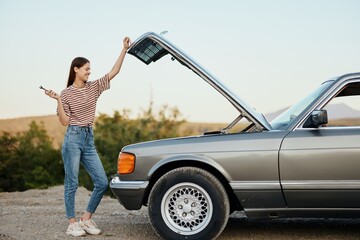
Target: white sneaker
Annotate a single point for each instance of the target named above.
(75, 230)
(89, 226)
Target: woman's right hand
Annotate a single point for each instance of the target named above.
(52, 94)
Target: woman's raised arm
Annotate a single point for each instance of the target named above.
(117, 66)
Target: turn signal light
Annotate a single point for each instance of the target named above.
(126, 163)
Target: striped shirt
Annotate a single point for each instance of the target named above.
(80, 103)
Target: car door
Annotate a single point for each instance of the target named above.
(320, 167)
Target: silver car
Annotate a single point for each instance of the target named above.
(298, 165)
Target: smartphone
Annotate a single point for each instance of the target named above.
(41, 87)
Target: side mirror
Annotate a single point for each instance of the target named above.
(319, 117)
(316, 119)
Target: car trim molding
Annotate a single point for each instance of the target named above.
(321, 185)
(328, 128)
(255, 185)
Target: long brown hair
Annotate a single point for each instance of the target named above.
(77, 62)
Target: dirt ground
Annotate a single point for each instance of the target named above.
(39, 214)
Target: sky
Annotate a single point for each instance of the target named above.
(270, 53)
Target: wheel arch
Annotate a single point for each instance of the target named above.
(165, 166)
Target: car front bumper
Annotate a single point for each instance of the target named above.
(129, 193)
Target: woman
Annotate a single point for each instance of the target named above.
(76, 109)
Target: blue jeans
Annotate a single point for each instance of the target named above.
(79, 147)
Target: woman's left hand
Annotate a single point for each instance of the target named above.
(127, 43)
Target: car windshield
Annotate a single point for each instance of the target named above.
(287, 117)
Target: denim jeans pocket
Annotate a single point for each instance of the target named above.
(73, 130)
(72, 137)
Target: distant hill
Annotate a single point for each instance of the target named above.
(271, 116)
(335, 111)
(56, 131)
(340, 111)
(51, 123)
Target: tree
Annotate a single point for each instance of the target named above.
(28, 160)
(10, 164)
(42, 163)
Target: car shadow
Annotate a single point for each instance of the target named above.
(294, 228)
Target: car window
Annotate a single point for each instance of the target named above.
(344, 109)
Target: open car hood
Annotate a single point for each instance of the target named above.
(150, 47)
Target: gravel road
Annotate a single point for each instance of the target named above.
(39, 214)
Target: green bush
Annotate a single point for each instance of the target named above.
(28, 160)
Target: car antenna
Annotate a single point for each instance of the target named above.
(164, 32)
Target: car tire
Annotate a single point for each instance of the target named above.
(188, 203)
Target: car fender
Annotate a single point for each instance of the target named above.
(188, 157)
